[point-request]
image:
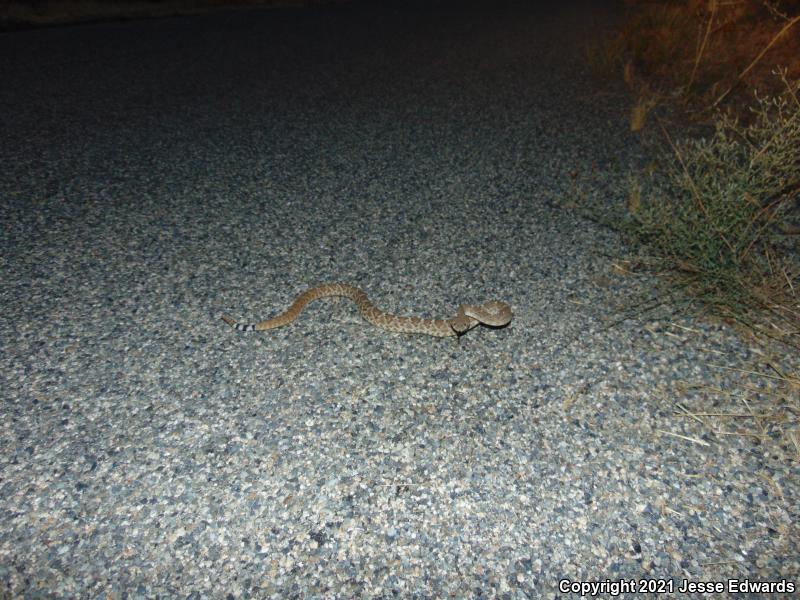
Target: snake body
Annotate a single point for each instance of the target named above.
(493, 313)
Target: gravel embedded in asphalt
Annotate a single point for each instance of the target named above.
(158, 174)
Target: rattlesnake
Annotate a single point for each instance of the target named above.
(493, 313)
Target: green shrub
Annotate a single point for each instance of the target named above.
(715, 212)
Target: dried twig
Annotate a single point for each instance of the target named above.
(786, 28)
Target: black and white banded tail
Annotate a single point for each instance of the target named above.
(238, 326)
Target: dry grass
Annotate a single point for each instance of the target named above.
(717, 216)
(718, 219)
(764, 409)
(703, 54)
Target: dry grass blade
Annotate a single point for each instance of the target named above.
(703, 44)
(692, 415)
(755, 61)
(684, 437)
(698, 198)
(778, 377)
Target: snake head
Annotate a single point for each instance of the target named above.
(493, 313)
(461, 323)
